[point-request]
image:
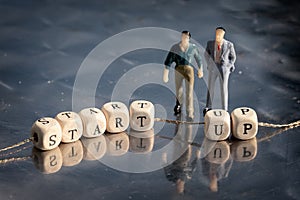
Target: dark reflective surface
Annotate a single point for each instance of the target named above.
(42, 45)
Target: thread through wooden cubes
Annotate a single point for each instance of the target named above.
(114, 117)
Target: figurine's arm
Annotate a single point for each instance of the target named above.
(169, 60)
(207, 53)
(232, 57)
(199, 62)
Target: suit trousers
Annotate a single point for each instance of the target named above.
(186, 73)
(223, 74)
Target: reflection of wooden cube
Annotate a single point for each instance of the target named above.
(47, 162)
(141, 141)
(117, 116)
(94, 122)
(46, 133)
(72, 153)
(244, 123)
(218, 153)
(141, 115)
(93, 148)
(217, 125)
(244, 150)
(117, 144)
(71, 125)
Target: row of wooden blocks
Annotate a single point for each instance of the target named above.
(113, 117)
(242, 123)
(71, 154)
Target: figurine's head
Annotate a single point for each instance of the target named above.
(185, 36)
(220, 32)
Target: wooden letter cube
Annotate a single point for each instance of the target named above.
(93, 148)
(244, 123)
(71, 125)
(216, 152)
(72, 153)
(217, 125)
(117, 116)
(47, 162)
(46, 133)
(141, 142)
(117, 144)
(94, 122)
(141, 115)
(244, 150)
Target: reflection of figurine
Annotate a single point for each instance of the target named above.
(182, 54)
(220, 57)
(182, 169)
(217, 162)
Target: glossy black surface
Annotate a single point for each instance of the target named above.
(42, 44)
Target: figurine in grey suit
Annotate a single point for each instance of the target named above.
(220, 57)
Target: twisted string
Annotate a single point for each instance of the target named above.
(17, 145)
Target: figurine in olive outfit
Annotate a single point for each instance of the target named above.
(220, 57)
(182, 54)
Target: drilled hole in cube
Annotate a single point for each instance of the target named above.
(35, 137)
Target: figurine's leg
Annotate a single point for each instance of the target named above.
(224, 88)
(189, 85)
(178, 83)
(212, 76)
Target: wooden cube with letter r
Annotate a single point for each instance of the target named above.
(117, 116)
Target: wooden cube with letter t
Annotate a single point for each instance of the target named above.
(141, 115)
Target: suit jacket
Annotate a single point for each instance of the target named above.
(228, 55)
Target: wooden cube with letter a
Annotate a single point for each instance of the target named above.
(117, 116)
(93, 148)
(244, 123)
(217, 125)
(141, 115)
(94, 122)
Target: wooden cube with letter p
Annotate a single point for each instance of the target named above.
(244, 123)
(217, 125)
(141, 115)
(117, 116)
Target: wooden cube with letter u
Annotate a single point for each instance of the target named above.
(217, 125)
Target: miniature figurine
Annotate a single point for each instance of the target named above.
(182, 169)
(182, 54)
(220, 57)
